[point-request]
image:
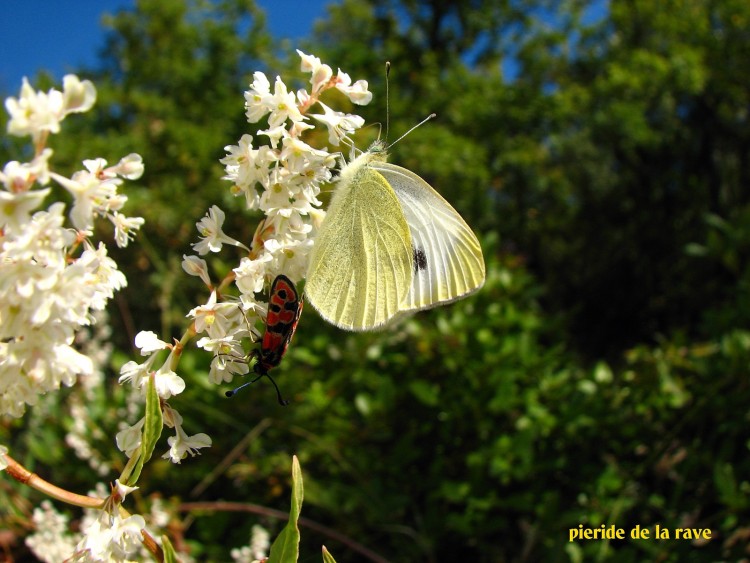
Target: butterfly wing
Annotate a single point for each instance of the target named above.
(447, 259)
(360, 268)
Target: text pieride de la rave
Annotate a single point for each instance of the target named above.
(612, 532)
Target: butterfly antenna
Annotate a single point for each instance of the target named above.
(387, 100)
(425, 120)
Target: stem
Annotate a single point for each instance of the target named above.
(130, 465)
(26, 477)
(150, 543)
(273, 513)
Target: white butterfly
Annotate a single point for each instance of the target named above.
(389, 244)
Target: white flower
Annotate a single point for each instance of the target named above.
(290, 256)
(3, 461)
(168, 383)
(195, 266)
(34, 113)
(180, 445)
(39, 167)
(283, 105)
(130, 167)
(135, 372)
(225, 367)
(357, 92)
(228, 346)
(160, 516)
(309, 63)
(304, 98)
(104, 278)
(125, 227)
(339, 124)
(217, 319)
(17, 177)
(210, 229)
(110, 537)
(15, 208)
(250, 274)
(147, 342)
(320, 73)
(128, 440)
(275, 134)
(91, 196)
(246, 167)
(260, 542)
(95, 194)
(123, 490)
(37, 113)
(51, 542)
(276, 199)
(299, 157)
(298, 128)
(257, 99)
(78, 96)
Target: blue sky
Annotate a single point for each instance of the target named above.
(62, 35)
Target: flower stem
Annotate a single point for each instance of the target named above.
(23, 475)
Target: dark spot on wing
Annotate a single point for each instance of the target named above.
(420, 260)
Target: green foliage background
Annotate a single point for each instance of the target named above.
(600, 377)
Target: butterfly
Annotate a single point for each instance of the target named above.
(284, 310)
(389, 244)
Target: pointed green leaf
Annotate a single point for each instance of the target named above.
(327, 557)
(170, 555)
(154, 421)
(152, 428)
(285, 548)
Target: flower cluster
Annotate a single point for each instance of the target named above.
(104, 535)
(256, 550)
(51, 542)
(53, 276)
(167, 384)
(281, 177)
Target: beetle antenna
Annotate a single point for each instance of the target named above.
(281, 400)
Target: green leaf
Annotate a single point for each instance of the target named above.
(426, 393)
(327, 557)
(152, 428)
(154, 421)
(170, 555)
(695, 249)
(286, 547)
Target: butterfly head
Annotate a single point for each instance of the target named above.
(378, 150)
